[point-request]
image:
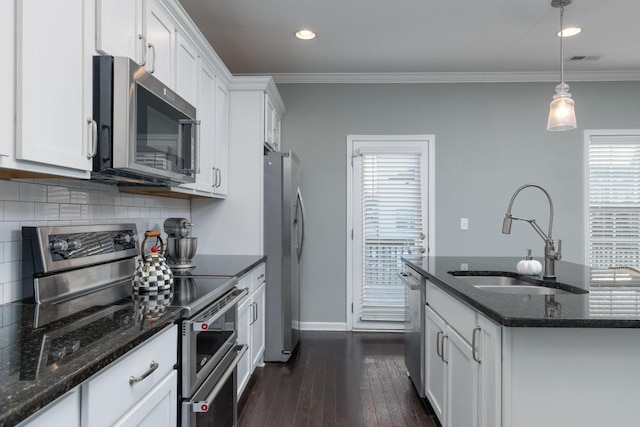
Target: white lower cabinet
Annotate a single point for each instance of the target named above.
(128, 389)
(157, 409)
(251, 324)
(463, 363)
(63, 412)
(435, 366)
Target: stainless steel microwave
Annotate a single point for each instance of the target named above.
(145, 132)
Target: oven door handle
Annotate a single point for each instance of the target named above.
(204, 405)
(200, 326)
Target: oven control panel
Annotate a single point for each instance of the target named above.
(79, 245)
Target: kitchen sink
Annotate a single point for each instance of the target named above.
(511, 283)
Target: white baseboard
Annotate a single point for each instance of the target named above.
(323, 326)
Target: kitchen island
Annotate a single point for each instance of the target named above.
(494, 358)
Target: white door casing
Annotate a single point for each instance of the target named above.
(361, 145)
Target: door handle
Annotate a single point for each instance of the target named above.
(474, 349)
(143, 40)
(203, 406)
(444, 337)
(94, 137)
(438, 350)
(153, 62)
(152, 367)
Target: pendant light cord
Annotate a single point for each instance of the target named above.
(561, 47)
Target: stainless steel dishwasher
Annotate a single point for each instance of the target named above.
(414, 346)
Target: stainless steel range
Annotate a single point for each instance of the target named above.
(209, 354)
(77, 269)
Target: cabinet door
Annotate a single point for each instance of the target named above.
(277, 127)
(257, 328)
(489, 352)
(63, 412)
(244, 337)
(269, 114)
(7, 100)
(461, 384)
(158, 408)
(119, 29)
(54, 82)
(206, 114)
(161, 33)
(222, 138)
(435, 366)
(187, 69)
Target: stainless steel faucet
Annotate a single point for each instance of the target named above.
(550, 253)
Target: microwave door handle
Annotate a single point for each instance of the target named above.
(204, 405)
(196, 138)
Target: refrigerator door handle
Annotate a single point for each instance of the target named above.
(301, 234)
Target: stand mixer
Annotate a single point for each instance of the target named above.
(181, 248)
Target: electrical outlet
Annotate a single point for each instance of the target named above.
(464, 266)
(464, 223)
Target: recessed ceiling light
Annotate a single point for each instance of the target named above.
(305, 34)
(568, 32)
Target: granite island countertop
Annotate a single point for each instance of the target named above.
(41, 363)
(612, 299)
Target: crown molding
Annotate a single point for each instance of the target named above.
(475, 77)
(261, 83)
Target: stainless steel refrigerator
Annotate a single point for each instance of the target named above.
(283, 242)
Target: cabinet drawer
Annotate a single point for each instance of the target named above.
(108, 396)
(457, 315)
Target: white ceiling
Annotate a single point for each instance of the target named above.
(419, 36)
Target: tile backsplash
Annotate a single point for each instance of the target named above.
(40, 202)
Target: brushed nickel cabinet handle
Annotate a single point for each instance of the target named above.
(152, 367)
(143, 41)
(474, 349)
(94, 137)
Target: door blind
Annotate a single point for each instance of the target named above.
(392, 228)
(614, 200)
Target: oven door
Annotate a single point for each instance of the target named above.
(207, 337)
(215, 403)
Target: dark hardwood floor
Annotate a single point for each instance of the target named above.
(336, 379)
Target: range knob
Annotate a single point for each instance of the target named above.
(124, 239)
(74, 244)
(59, 245)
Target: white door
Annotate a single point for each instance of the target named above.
(389, 218)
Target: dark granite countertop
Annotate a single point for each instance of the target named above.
(40, 364)
(225, 265)
(612, 300)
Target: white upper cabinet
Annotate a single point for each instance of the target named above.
(7, 101)
(187, 69)
(54, 82)
(205, 106)
(220, 156)
(161, 42)
(119, 29)
(271, 124)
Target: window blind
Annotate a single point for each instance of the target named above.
(614, 200)
(392, 228)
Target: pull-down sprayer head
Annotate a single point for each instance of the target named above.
(506, 224)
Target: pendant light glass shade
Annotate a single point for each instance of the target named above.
(562, 113)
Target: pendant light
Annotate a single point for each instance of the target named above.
(562, 115)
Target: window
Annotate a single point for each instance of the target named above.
(613, 221)
(613, 198)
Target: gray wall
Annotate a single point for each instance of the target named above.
(490, 139)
